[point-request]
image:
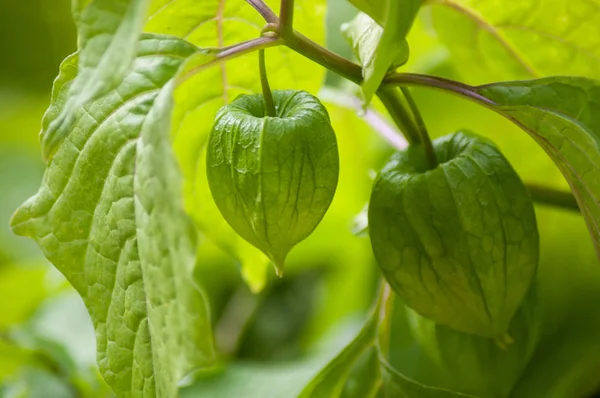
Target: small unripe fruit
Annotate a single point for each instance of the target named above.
(273, 178)
(460, 242)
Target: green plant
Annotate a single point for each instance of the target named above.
(273, 173)
(131, 160)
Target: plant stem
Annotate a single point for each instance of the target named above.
(454, 87)
(335, 63)
(264, 82)
(424, 134)
(286, 18)
(231, 52)
(248, 47)
(392, 102)
(414, 109)
(353, 72)
(268, 15)
(552, 196)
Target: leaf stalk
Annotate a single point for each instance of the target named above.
(263, 9)
(432, 160)
(266, 89)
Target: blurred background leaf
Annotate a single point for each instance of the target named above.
(47, 344)
(496, 40)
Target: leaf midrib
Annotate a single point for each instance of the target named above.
(559, 39)
(492, 30)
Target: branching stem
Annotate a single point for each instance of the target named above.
(353, 72)
(231, 52)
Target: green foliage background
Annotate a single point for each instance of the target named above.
(283, 335)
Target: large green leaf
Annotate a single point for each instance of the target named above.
(177, 312)
(563, 115)
(108, 217)
(219, 24)
(108, 37)
(380, 49)
(493, 40)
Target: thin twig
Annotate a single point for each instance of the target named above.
(264, 10)
(266, 89)
(415, 79)
(231, 52)
(249, 46)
